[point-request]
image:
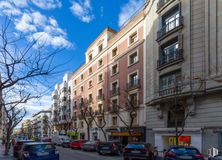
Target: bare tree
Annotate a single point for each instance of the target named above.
(85, 111)
(23, 65)
(130, 108)
(14, 116)
(102, 124)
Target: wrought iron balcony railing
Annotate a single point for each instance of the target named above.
(169, 27)
(174, 56)
(114, 91)
(170, 91)
(133, 84)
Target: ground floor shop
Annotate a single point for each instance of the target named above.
(137, 134)
(201, 138)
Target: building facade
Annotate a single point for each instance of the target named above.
(61, 106)
(109, 84)
(41, 124)
(183, 59)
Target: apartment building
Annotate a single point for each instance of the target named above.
(183, 60)
(111, 77)
(40, 125)
(61, 106)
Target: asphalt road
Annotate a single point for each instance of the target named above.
(69, 154)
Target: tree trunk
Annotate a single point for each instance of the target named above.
(88, 132)
(177, 142)
(8, 143)
(104, 134)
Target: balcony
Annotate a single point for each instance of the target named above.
(113, 109)
(100, 97)
(171, 91)
(174, 57)
(114, 92)
(169, 28)
(161, 4)
(134, 84)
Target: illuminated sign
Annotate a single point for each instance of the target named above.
(182, 140)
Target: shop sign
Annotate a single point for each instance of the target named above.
(125, 134)
(182, 140)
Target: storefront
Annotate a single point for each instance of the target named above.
(165, 137)
(137, 135)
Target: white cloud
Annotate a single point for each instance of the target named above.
(9, 9)
(82, 10)
(128, 10)
(47, 4)
(34, 24)
(20, 3)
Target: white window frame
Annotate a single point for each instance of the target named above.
(129, 38)
(137, 54)
(112, 74)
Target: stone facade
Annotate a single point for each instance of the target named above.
(183, 68)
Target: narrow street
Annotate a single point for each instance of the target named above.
(69, 154)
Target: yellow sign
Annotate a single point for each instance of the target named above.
(182, 140)
(126, 134)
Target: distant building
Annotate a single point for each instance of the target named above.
(41, 124)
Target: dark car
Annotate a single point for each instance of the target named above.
(109, 148)
(66, 143)
(39, 151)
(138, 151)
(89, 146)
(183, 152)
(18, 145)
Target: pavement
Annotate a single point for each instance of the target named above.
(2, 156)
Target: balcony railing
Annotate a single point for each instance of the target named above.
(161, 3)
(169, 27)
(113, 109)
(170, 91)
(100, 97)
(133, 84)
(114, 92)
(175, 56)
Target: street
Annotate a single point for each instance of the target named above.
(70, 154)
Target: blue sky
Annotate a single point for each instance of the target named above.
(70, 24)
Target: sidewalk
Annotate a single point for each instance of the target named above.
(2, 156)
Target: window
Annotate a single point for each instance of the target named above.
(171, 21)
(133, 58)
(100, 108)
(75, 82)
(114, 52)
(114, 121)
(90, 98)
(169, 81)
(75, 104)
(114, 85)
(100, 62)
(134, 99)
(90, 57)
(114, 104)
(75, 92)
(133, 79)
(100, 94)
(100, 122)
(90, 84)
(133, 38)
(100, 48)
(81, 124)
(90, 70)
(81, 76)
(114, 69)
(75, 124)
(81, 88)
(100, 77)
(63, 99)
(175, 114)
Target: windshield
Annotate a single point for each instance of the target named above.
(39, 147)
(185, 150)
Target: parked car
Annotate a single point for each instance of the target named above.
(18, 145)
(89, 146)
(138, 151)
(65, 143)
(77, 144)
(39, 150)
(217, 157)
(183, 152)
(109, 148)
(57, 140)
